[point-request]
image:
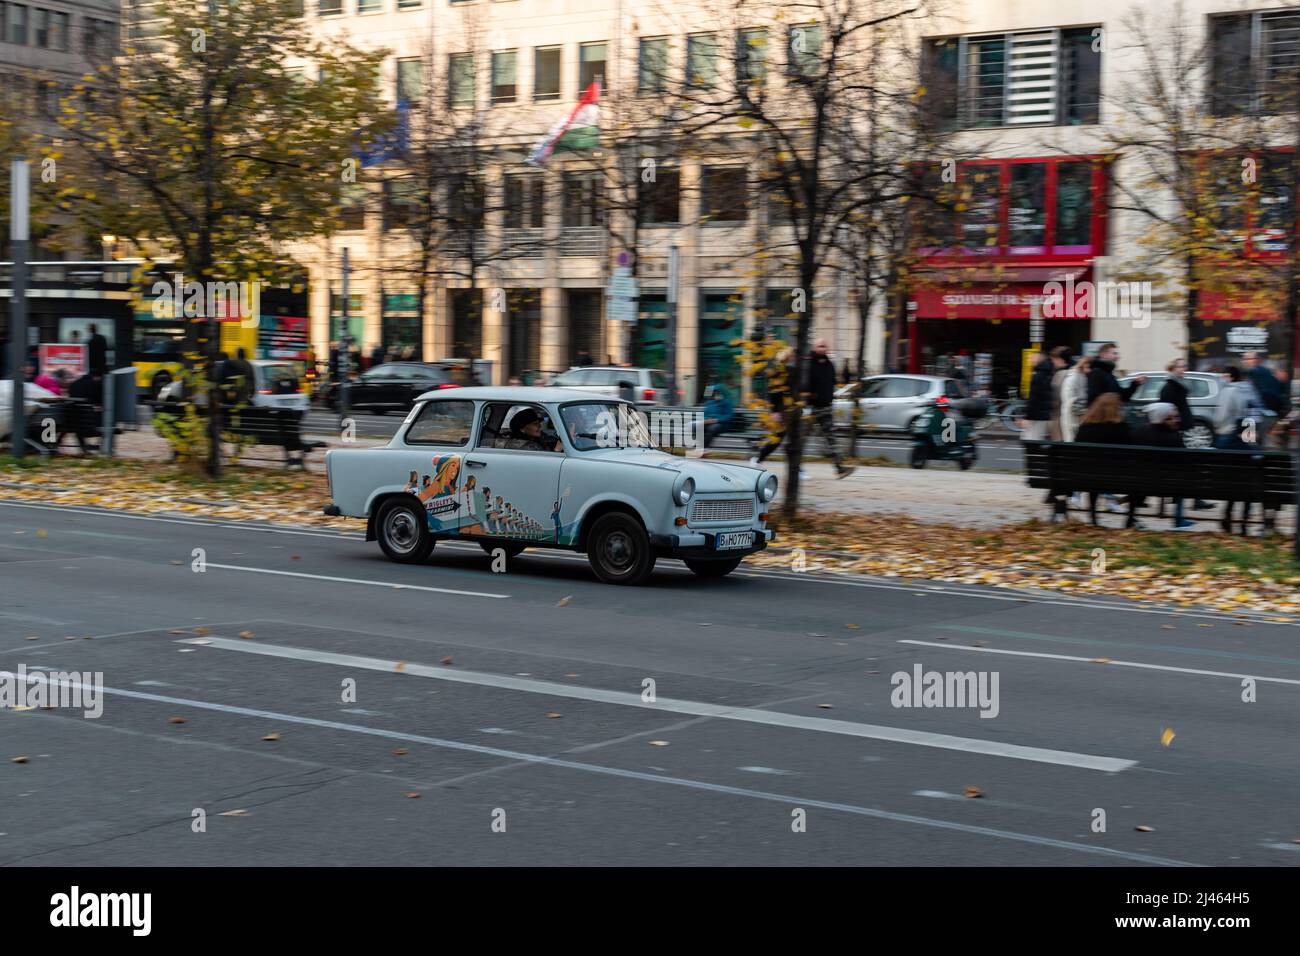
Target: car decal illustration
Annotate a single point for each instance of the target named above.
(453, 507)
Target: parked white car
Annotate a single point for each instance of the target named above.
(514, 468)
(890, 403)
(649, 385)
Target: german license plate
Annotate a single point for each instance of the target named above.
(733, 540)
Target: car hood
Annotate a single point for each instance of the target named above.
(711, 477)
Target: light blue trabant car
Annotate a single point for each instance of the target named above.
(515, 468)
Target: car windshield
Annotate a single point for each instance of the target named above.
(592, 425)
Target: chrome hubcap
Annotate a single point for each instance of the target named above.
(400, 531)
(619, 551)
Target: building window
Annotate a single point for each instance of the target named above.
(702, 60)
(1255, 63)
(1014, 79)
(99, 37)
(724, 194)
(659, 202)
(352, 206)
(370, 6)
(751, 57)
(466, 199)
(410, 79)
(652, 66)
(525, 195)
(16, 23)
(401, 203)
(460, 79)
(409, 4)
(1027, 209)
(546, 74)
(329, 8)
(41, 28)
(583, 199)
(591, 65)
(504, 76)
(1073, 208)
(805, 50)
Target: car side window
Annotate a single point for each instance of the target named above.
(442, 423)
(1197, 387)
(874, 388)
(952, 389)
(1150, 389)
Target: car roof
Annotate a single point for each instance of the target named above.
(539, 394)
(620, 368)
(928, 378)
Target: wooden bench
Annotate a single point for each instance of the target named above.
(275, 427)
(1259, 477)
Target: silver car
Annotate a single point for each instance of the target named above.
(650, 385)
(1203, 391)
(513, 468)
(889, 403)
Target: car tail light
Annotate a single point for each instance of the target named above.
(264, 391)
(648, 395)
(448, 385)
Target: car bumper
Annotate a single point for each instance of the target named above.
(703, 544)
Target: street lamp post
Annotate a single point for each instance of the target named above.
(18, 224)
(674, 271)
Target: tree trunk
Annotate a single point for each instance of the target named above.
(799, 391)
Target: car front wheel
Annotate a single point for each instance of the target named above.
(403, 532)
(714, 569)
(619, 550)
(1200, 435)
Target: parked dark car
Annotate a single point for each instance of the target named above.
(393, 386)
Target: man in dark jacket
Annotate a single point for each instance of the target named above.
(1163, 430)
(1265, 382)
(1038, 406)
(1174, 392)
(1102, 377)
(97, 350)
(821, 392)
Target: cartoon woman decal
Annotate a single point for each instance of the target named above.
(471, 514)
(412, 483)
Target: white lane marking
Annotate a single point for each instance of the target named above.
(378, 584)
(839, 579)
(665, 779)
(695, 708)
(1109, 663)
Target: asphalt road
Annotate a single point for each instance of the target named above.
(521, 697)
(997, 450)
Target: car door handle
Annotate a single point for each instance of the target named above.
(475, 463)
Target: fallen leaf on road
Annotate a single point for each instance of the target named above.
(447, 661)
(178, 562)
(1167, 736)
(246, 635)
(564, 601)
(42, 533)
(295, 557)
(233, 813)
(413, 795)
(19, 760)
(271, 736)
(33, 637)
(175, 720)
(400, 752)
(554, 716)
(1144, 829)
(401, 666)
(826, 706)
(1101, 660)
(202, 631)
(177, 630)
(658, 743)
(974, 792)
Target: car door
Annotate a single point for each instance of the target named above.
(869, 401)
(431, 463)
(510, 492)
(374, 388)
(894, 402)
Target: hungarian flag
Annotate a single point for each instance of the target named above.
(579, 130)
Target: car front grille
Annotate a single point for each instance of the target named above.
(723, 509)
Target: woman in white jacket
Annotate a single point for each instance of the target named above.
(1074, 398)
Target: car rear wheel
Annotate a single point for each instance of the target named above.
(714, 569)
(1200, 435)
(511, 550)
(160, 381)
(619, 550)
(403, 532)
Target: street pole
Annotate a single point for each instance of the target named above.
(345, 345)
(674, 268)
(18, 178)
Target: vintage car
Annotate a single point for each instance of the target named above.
(514, 468)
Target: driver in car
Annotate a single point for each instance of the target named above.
(526, 433)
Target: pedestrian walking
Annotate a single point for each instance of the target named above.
(1101, 377)
(821, 385)
(1062, 360)
(1074, 397)
(1038, 406)
(1235, 428)
(97, 350)
(778, 397)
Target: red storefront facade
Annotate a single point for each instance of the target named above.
(1019, 225)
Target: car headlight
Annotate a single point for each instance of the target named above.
(683, 490)
(767, 486)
